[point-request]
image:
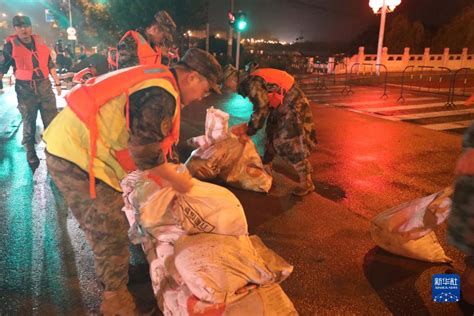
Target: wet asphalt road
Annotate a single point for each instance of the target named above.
(363, 166)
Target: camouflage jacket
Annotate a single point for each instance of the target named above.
(151, 114)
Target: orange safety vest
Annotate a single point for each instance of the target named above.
(146, 54)
(24, 58)
(80, 77)
(86, 100)
(277, 77)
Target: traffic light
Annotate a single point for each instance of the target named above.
(238, 21)
(241, 21)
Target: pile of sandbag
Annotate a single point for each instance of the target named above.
(220, 154)
(407, 229)
(202, 260)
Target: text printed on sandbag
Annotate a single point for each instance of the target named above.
(196, 220)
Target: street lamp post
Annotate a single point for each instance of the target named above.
(240, 26)
(382, 6)
(70, 15)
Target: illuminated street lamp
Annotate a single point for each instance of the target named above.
(382, 7)
(4, 15)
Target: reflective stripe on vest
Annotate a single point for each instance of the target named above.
(24, 58)
(92, 130)
(281, 78)
(146, 54)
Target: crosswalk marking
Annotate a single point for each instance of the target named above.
(405, 107)
(429, 108)
(349, 103)
(432, 114)
(448, 126)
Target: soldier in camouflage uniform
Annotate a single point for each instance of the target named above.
(105, 226)
(159, 35)
(290, 131)
(34, 93)
(461, 218)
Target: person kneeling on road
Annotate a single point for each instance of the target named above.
(290, 131)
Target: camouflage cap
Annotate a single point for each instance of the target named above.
(228, 71)
(166, 24)
(19, 20)
(205, 64)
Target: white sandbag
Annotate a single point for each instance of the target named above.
(216, 125)
(216, 129)
(209, 208)
(207, 162)
(159, 249)
(205, 208)
(220, 154)
(261, 301)
(215, 267)
(416, 218)
(237, 164)
(248, 172)
(426, 248)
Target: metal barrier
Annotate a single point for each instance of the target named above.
(428, 85)
(450, 103)
(321, 76)
(402, 98)
(350, 80)
(441, 77)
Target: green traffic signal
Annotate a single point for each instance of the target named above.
(241, 25)
(240, 21)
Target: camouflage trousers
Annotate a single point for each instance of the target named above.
(102, 220)
(34, 96)
(461, 219)
(290, 133)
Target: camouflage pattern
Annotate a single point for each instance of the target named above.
(151, 115)
(34, 96)
(104, 224)
(167, 26)
(127, 51)
(205, 64)
(461, 219)
(290, 131)
(127, 48)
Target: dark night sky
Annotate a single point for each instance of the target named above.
(325, 20)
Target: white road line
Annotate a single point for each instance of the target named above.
(348, 103)
(405, 107)
(432, 114)
(448, 126)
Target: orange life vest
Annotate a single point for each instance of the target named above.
(86, 100)
(277, 77)
(24, 58)
(83, 75)
(146, 54)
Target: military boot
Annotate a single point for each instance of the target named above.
(118, 302)
(305, 186)
(31, 156)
